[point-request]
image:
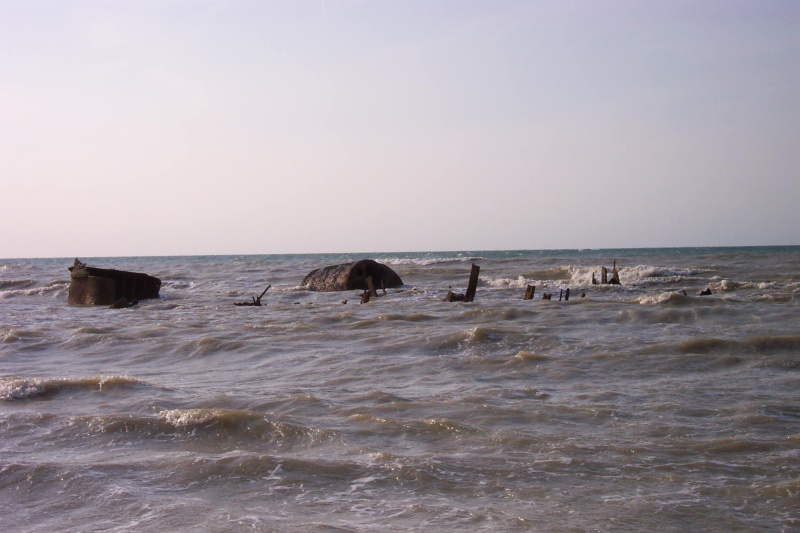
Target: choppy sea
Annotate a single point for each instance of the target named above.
(639, 407)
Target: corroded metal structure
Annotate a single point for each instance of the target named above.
(104, 286)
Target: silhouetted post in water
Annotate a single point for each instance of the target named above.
(561, 295)
(566, 295)
(365, 297)
(594, 280)
(604, 276)
(615, 275)
(473, 283)
(547, 296)
(529, 292)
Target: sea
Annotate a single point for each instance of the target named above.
(644, 406)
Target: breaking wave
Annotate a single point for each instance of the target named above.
(29, 388)
(426, 261)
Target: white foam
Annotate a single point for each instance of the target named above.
(649, 299)
(20, 389)
(425, 261)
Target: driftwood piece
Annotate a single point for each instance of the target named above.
(256, 301)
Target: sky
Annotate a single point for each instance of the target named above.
(170, 127)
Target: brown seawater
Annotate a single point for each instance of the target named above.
(627, 408)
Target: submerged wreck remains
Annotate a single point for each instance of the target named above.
(352, 276)
(104, 286)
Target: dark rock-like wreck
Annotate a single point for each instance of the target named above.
(352, 276)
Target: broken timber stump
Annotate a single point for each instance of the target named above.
(473, 283)
(105, 286)
(351, 276)
(529, 292)
(453, 297)
(614, 275)
(604, 276)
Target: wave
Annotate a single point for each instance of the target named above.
(16, 335)
(222, 423)
(23, 288)
(581, 276)
(15, 283)
(757, 345)
(427, 261)
(669, 298)
(426, 429)
(29, 388)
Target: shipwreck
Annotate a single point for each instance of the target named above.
(105, 286)
(352, 276)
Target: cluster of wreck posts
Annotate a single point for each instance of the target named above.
(120, 289)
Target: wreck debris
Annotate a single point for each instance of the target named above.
(123, 303)
(471, 288)
(604, 276)
(352, 276)
(529, 292)
(453, 297)
(473, 283)
(104, 286)
(256, 301)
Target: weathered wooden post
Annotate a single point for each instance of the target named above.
(365, 297)
(604, 276)
(473, 283)
(529, 292)
(566, 295)
(615, 275)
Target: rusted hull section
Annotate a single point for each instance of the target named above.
(104, 286)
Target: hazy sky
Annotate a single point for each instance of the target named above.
(230, 127)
